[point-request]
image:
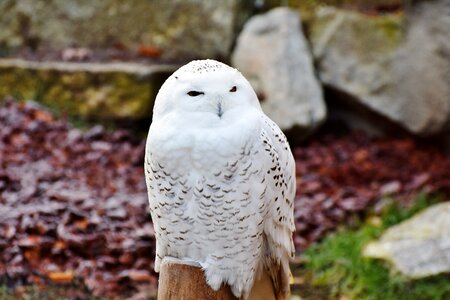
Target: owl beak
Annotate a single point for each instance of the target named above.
(219, 109)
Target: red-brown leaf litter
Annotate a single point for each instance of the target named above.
(340, 177)
(73, 204)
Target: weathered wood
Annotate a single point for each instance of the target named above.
(185, 280)
(180, 280)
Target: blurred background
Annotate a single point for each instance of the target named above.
(360, 87)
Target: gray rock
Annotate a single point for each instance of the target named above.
(101, 90)
(401, 75)
(421, 69)
(273, 54)
(418, 247)
(181, 28)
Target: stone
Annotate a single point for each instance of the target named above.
(97, 90)
(418, 247)
(307, 8)
(180, 28)
(421, 69)
(399, 74)
(273, 54)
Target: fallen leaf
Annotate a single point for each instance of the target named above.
(149, 51)
(61, 277)
(140, 275)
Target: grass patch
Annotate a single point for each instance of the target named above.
(337, 264)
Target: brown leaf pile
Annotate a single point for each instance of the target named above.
(338, 177)
(73, 204)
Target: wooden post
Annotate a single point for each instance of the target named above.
(180, 280)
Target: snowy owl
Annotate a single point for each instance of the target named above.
(221, 179)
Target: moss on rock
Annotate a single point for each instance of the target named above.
(103, 91)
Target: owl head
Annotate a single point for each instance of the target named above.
(205, 90)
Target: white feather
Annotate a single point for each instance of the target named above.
(220, 177)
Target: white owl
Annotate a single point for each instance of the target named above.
(220, 178)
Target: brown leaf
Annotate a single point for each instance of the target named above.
(61, 277)
(149, 51)
(140, 275)
(82, 224)
(29, 241)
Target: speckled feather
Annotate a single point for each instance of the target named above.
(220, 178)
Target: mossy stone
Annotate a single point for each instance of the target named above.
(101, 91)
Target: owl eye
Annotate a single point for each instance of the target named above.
(195, 93)
(233, 89)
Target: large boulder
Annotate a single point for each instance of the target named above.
(181, 28)
(273, 54)
(422, 68)
(400, 74)
(418, 247)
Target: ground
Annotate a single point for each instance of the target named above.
(73, 206)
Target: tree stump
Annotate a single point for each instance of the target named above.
(183, 280)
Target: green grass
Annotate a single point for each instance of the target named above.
(337, 264)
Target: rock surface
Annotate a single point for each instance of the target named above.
(105, 91)
(273, 55)
(401, 76)
(180, 28)
(354, 53)
(422, 69)
(417, 247)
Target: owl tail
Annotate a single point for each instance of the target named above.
(280, 275)
(272, 284)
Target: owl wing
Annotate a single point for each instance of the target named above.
(167, 192)
(280, 194)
